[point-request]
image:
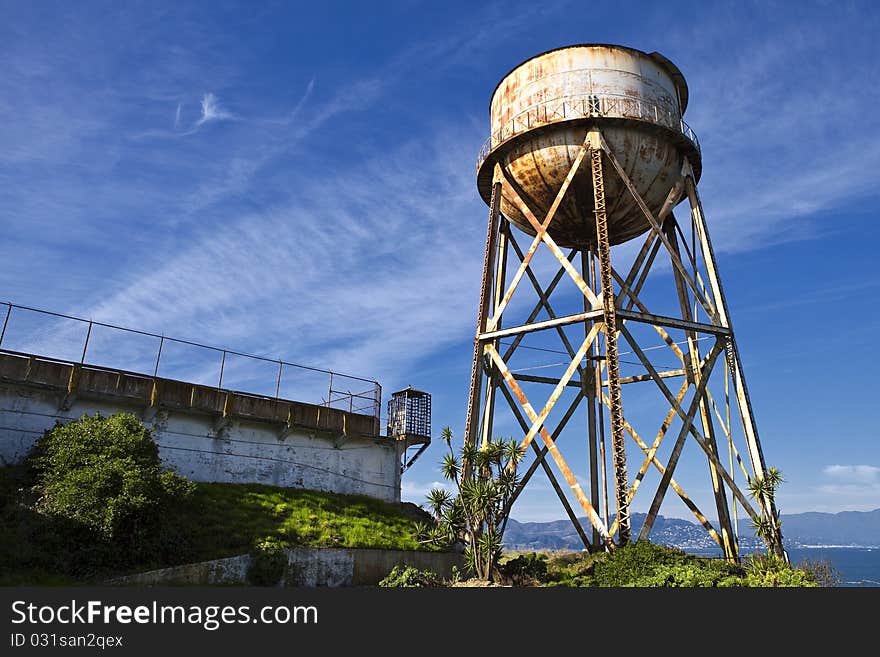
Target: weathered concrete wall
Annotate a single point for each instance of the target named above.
(306, 567)
(204, 433)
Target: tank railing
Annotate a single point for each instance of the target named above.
(586, 106)
(339, 394)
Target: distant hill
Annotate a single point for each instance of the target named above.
(856, 528)
(860, 528)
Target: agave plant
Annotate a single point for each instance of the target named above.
(450, 468)
(768, 525)
(446, 437)
(439, 499)
(487, 480)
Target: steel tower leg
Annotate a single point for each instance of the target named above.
(472, 421)
(750, 429)
(694, 375)
(591, 392)
(621, 483)
(499, 281)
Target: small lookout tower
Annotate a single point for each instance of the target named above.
(409, 423)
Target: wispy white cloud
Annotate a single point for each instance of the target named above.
(785, 135)
(853, 474)
(365, 268)
(855, 487)
(211, 110)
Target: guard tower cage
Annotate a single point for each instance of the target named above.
(409, 423)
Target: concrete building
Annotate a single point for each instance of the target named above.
(204, 433)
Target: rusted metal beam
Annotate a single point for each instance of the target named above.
(538, 421)
(693, 430)
(540, 228)
(742, 465)
(651, 459)
(545, 379)
(655, 226)
(688, 419)
(542, 452)
(585, 374)
(545, 302)
(634, 300)
(514, 198)
(540, 326)
(537, 309)
(588, 390)
(550, 443)
(627, 290)
(650, 245)
(750, 428)
(705, 416)
(647, 377)
(650, 454)
(473, 414)
(673, 322)
(603, 250)
(539, 460)
(500, 274)
(600, 414)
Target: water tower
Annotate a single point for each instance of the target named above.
(588, 150)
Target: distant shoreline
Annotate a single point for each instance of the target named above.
(848, 547)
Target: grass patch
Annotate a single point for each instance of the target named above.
(226, 519)
(215, 521)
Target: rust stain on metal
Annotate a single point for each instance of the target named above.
(551, 448)
(558, 91)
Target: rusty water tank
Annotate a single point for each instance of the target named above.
(541, 112)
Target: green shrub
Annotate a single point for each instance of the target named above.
(643, 564)
(268, 562)
(574, 569)
(822, 572)
(100, 481)
(633, 562)
(526, 569)
(695, 575)
(770, 570)
(409, 577)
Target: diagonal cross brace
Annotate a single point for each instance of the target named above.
(595, 520)
(542, 235)
(655, 226)
(540, 228)
(540, 461)
(693, 430)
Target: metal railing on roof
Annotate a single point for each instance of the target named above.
(336, 392)
(582, 107)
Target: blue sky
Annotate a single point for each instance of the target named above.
(298, 181)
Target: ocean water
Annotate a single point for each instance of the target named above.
(855, 566)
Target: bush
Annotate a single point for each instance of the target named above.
(634, 562)
(524, 570)
(268, 562)
(822, 572)
(695, 575)
(770, 570)
(409, 577)
(644, 564)
(100, 480)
